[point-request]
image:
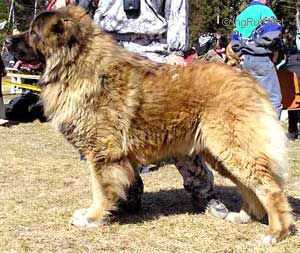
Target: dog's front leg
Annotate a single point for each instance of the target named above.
(109, 184)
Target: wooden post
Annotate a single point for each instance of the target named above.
(298, 17)
(298, 27)
(2, 108)
(35, 9)
(12, 6)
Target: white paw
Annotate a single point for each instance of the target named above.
(238, 218)
(80, 219)
(269, 240)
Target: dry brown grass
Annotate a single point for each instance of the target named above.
(42, 181)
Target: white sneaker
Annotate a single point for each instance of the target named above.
(217, 209)
(3, 122)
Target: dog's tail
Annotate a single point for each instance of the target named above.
(240, 123)
(272, 142)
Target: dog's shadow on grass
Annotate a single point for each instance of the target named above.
(177, 201)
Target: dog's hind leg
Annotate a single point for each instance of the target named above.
(269, 191)
(249, 147)
(255, 174)
(109, 183)
(262, 193)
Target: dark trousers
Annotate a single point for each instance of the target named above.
(2, 108)
(293, 119)
(263, 70)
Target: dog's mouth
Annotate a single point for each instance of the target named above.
(23, 52)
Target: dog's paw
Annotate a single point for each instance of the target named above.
(80, 219)
(269, 240)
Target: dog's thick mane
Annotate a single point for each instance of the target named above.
(87, 71)
(68, 55)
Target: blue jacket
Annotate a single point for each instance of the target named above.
(263, 40)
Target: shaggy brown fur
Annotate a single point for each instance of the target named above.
(118, 110)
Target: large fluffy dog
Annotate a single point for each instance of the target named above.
(119, 110)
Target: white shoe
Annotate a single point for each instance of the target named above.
(217, 209)
(3, 122)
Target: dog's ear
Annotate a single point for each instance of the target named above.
(62, 25)
(66, 31)
(58, 27)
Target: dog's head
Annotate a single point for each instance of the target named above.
(50, 32)
(65, 28)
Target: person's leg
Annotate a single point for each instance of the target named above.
(263, 70)
(198, 181)
(292, 124)
(2, 106)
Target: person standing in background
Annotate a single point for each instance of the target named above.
(157, 29)
(298, 27)
(255, 50)
(3, 121)
(55, 4)
(89, 5)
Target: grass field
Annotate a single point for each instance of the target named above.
(42, 181)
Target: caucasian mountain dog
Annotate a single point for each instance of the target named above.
(120, 110)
